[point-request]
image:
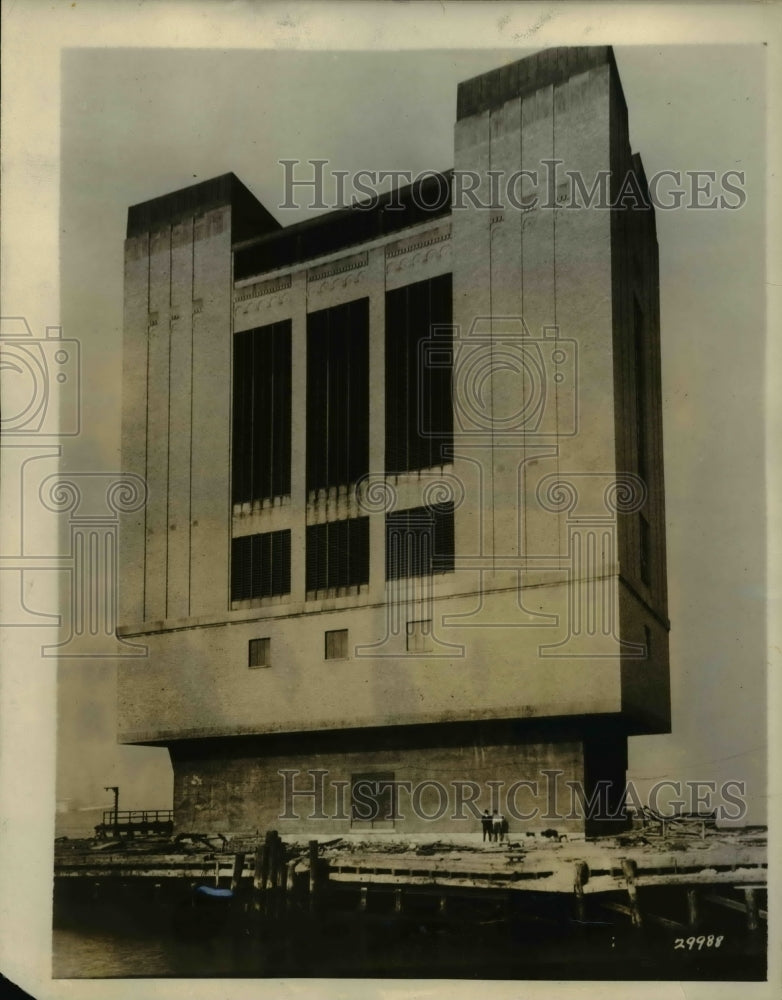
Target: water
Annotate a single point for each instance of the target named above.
(130, 936)
(118, 940)
(78, 953)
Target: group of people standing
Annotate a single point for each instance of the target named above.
(494, 826)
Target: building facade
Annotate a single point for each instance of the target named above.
(405, 524)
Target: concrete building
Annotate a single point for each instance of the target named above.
(405, 516)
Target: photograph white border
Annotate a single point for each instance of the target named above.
(34, 35)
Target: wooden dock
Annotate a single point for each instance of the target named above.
(720, 872)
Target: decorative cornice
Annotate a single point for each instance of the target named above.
(337, 267)
(416, 243)
(432, 254)
(260, 288)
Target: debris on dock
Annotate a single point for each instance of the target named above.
(722, 869)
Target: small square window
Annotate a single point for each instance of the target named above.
(337, 644)
(260, 652)
(419, 636)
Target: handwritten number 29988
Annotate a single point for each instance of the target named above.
(703, 941)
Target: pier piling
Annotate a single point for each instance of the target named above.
(580, 878)
(751, 900)
(238, 870)
(313, 886)
(630, 870)
(693, 916)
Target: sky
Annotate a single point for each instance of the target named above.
(138, 123)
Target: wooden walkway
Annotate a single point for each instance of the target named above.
(718, 872)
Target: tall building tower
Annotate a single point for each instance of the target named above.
(404, 535)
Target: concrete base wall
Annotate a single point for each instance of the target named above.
(439, 789)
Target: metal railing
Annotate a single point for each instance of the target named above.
(126, 817)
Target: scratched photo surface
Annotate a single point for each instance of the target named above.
(413, 501)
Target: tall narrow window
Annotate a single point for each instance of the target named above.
(641, 437)
(338, 554)
(262, 413)
(419, 541)
(338, 395)
(261, 565)
(419, 347)
(639, 354)
(645, 549)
